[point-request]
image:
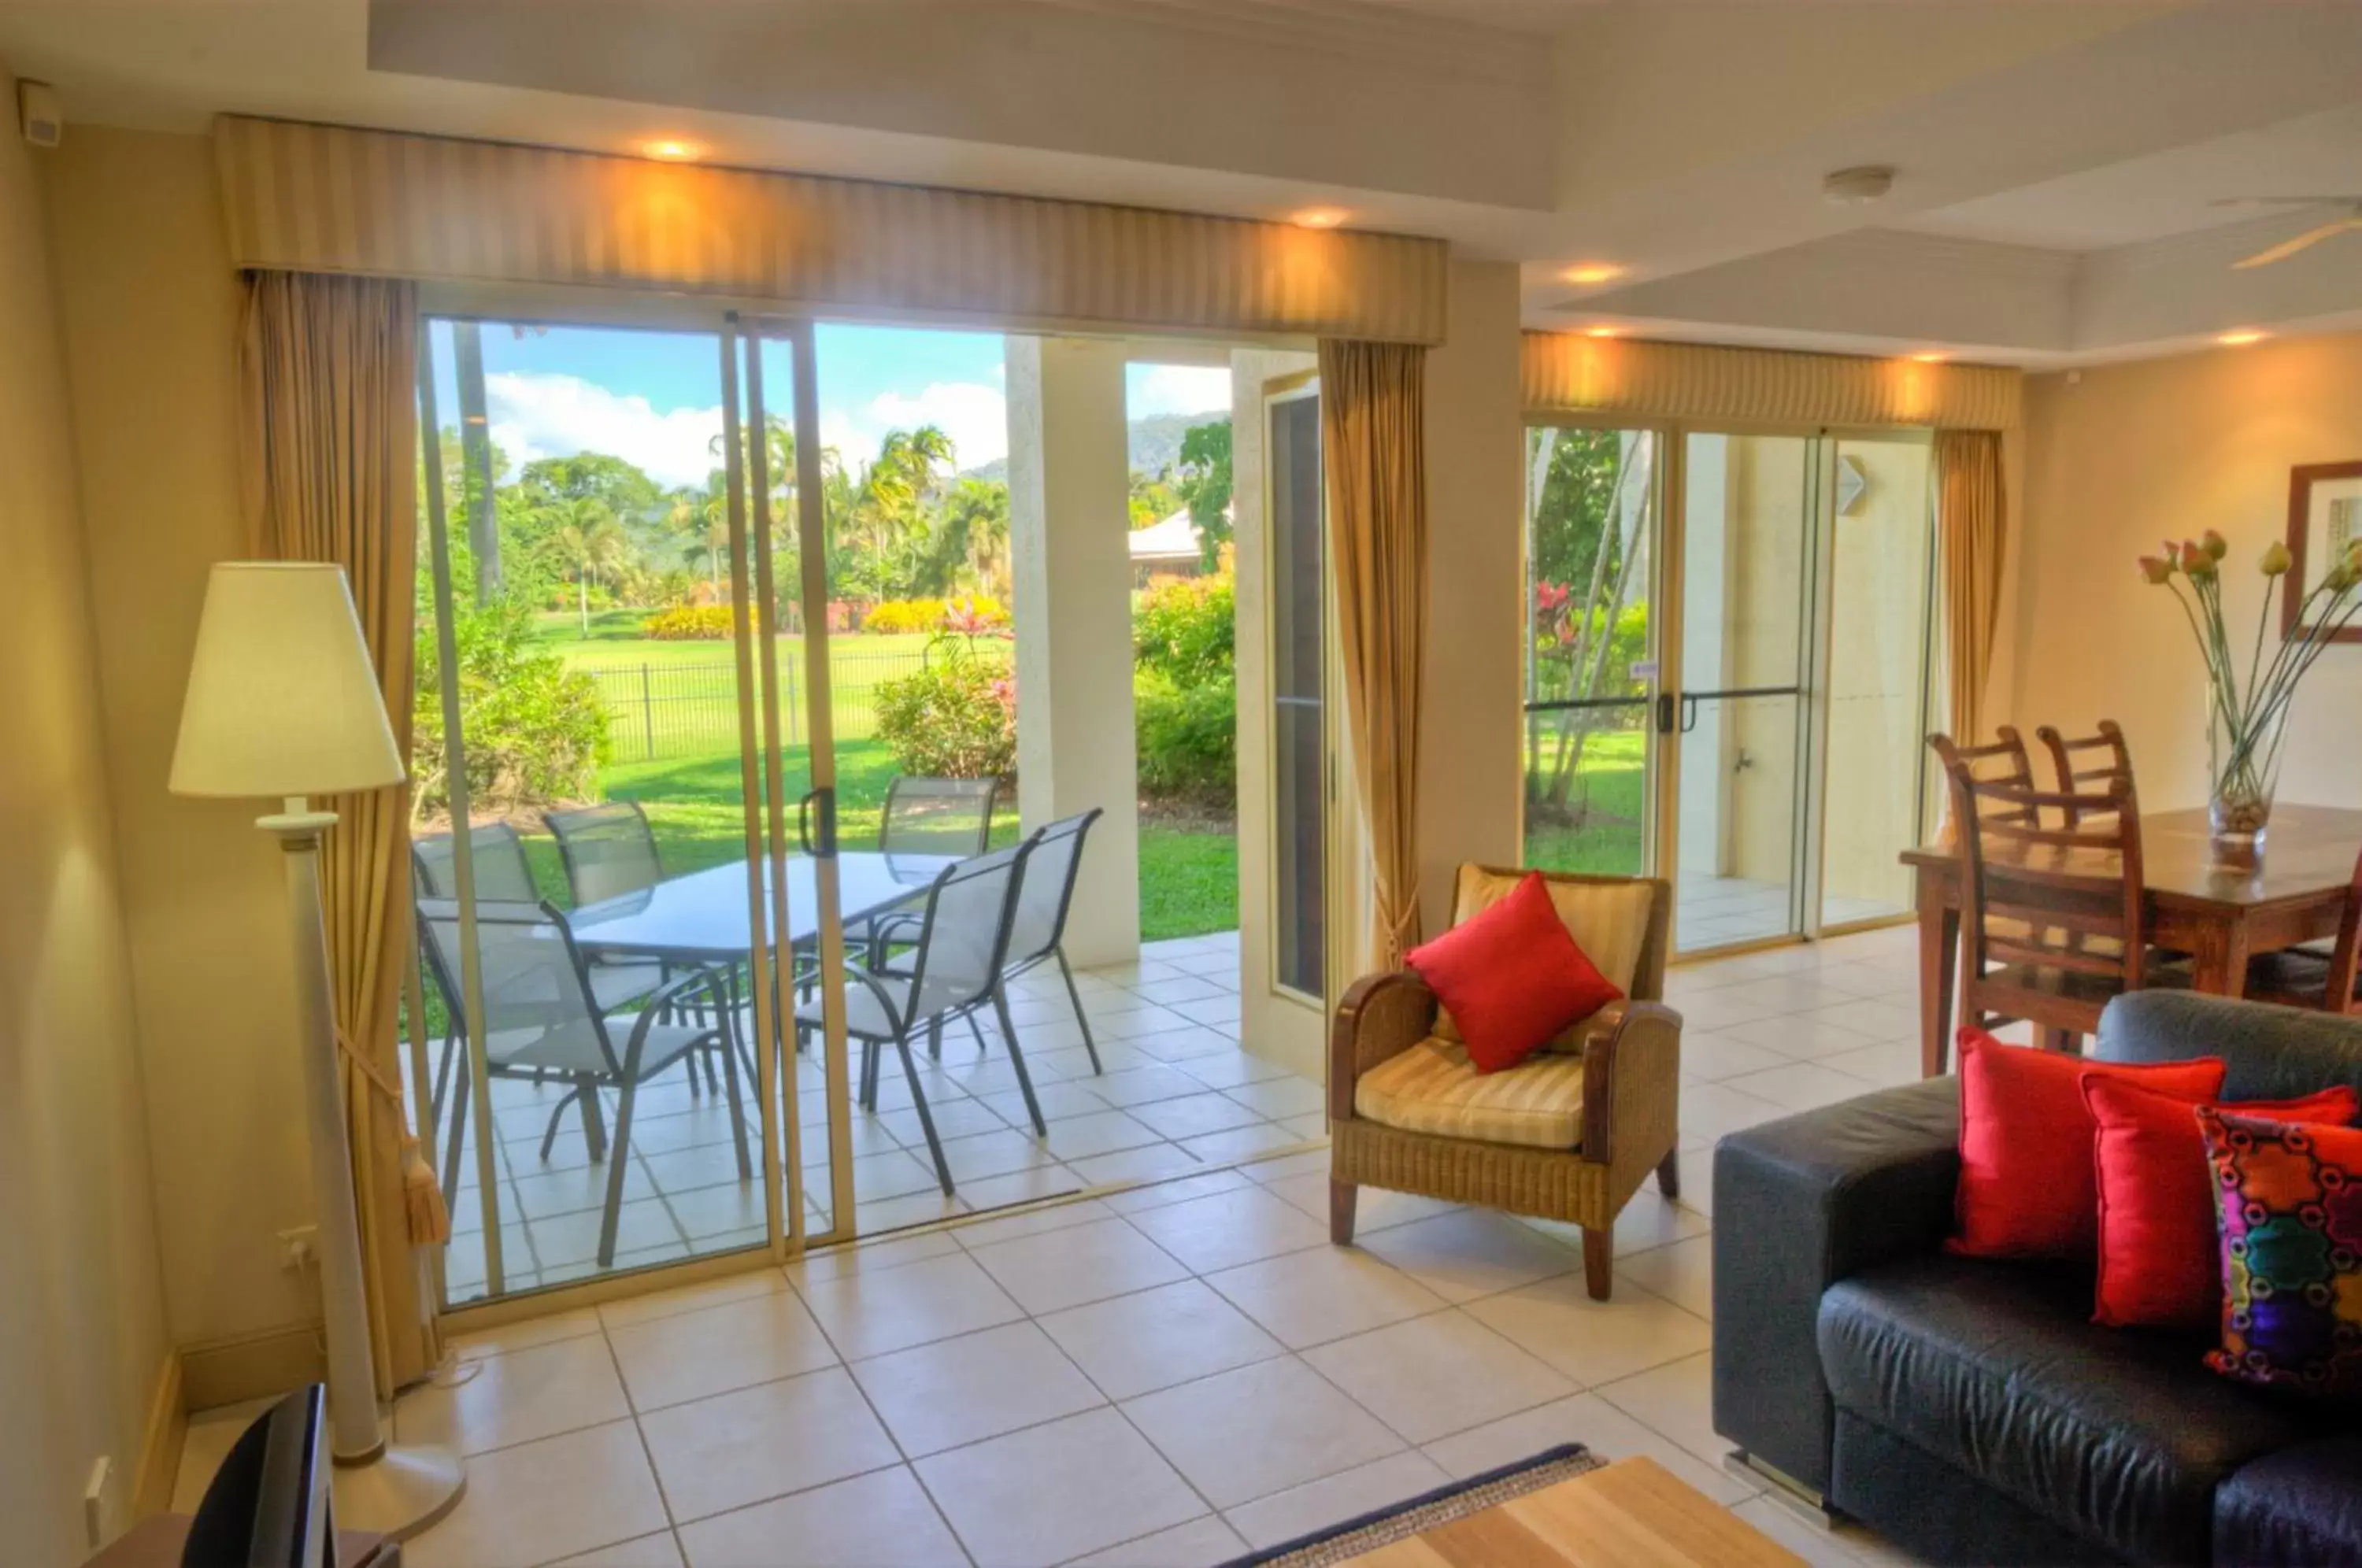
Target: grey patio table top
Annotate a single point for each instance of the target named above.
(703, 915)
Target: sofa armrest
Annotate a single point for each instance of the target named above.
(1798, 1205)
(1381, 1016)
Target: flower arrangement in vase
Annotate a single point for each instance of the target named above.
(2248, 712)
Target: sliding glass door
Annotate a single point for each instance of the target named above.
(628, 1027)
(1760, 743)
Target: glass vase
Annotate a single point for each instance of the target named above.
(2244, 765)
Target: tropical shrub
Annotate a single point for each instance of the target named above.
(955, 717)
(689, 623)
(934, 614)
(536, 732)
(1185, 627)
(1187, 736)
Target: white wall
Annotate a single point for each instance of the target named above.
(83, 1337)
(2130, 455)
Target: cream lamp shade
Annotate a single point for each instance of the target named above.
(282, 699)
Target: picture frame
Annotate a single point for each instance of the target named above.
(2324, 520)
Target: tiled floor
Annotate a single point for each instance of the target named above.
(1718, 911)
(1166, 1375)
(1177, 1095)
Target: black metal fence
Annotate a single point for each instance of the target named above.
(659, 710)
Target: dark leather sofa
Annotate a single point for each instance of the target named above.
(1970, 1410)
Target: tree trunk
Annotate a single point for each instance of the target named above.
(582, 599)
(476, 458)
(1594, 650)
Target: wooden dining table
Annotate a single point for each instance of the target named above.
(2221, 916)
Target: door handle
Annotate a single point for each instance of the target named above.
(824, 848)
(1665, 713)
(1689, 713)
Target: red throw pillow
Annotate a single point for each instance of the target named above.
(2160, 1263)
(2027, 1187)
(1512, 976)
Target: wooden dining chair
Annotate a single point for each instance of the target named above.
(2092, 764)
(2054, 915)
(2301, 976)
(2005, 761)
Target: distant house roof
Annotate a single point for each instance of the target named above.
(1175, 538)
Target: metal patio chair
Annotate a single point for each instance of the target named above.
(1039, 934)
(958, 943)
(502, 875)
(938, 816)
(540, 1018)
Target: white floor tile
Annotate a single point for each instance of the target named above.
(874, 1311)
(1431, 1376)
(1224, 1230)
(540, 1501)
(1055, 1492)
(1262, 1428)
(1318, 1505)
(1324, 1293)
(1135, 1344)
(871, 1520)
(1470, 1252)
(939, 1396)
(1069, 1268)
(661, 1551)
(765, 1441)
(1598, 1424)
(1198, 1544)
(1593, 1342)
(669, 1361)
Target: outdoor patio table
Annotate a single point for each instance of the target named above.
(703, 917)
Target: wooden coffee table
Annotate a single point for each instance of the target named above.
(1631, 1513)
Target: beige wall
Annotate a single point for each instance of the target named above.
(2128, 454)
(83, 1335)
(1470, 712)
(149, 309)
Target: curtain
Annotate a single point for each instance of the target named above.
(1972, 533)
(1374, 441)
(327, 372)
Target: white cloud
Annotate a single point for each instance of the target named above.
(974, 415)
(1180, 389)
(541, 415)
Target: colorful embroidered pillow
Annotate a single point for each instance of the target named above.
(1512, 976)
(2160, 1264)
(2289, 1201)
(2026, 1188)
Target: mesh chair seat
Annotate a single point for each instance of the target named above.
(869, 1016)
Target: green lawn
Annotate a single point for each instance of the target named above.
(1188, 878)
(1601, 829)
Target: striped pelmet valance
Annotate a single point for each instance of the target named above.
(1568, 374)
(331, 199)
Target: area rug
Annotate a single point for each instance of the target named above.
(1398, 1521)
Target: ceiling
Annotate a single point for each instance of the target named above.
(2058, 165)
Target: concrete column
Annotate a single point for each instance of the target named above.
(1069, 482)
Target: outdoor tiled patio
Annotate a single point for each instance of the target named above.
(1178, 1095)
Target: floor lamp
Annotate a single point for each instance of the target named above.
(282, 701)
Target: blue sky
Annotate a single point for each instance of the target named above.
(654, 397)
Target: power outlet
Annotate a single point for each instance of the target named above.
(299, 1248)
(102, 1504)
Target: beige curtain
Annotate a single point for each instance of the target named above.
(327, 367)
(1374, 438)
(1973, 533)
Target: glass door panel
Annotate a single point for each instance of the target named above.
(1875, 675)
(1592, 507)
(581, 683)
(1747, 604)
(1299, 691)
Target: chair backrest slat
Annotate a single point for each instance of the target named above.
(2112, 765)
(608, 849)
(938, 816)
(2038, 897)
(2005, 761)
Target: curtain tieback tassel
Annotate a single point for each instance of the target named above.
(427, 1215)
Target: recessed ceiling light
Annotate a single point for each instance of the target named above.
(1318, 218)
(1932, 356)
(671, 150)
(1603, 331)
(1860, 186)
(2240, 338)
(1592, 272)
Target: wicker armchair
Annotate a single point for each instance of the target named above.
(1591, 1116)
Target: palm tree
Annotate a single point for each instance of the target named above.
(703, 517)
(594, 544)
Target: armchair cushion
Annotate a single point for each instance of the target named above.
(1608, 919)
(1433, 1087)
